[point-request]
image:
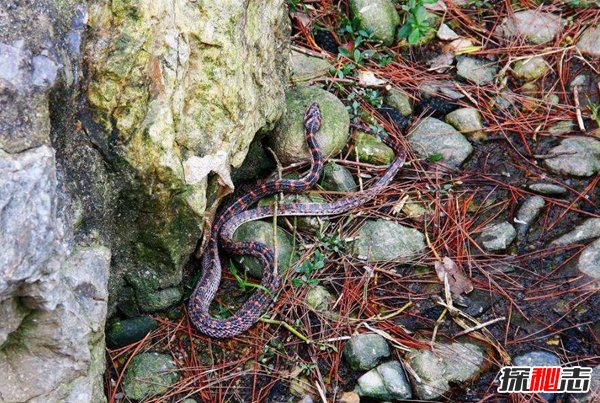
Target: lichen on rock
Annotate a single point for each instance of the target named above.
(177, 93)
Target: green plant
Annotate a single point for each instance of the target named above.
(370, 95)
(343, 71)
(333, 243)
(308, 268)
(222, 313)
(418, 21)
(595, 113)
(243, 282)
(584, 3)
(350, 29)
(306, 368)
(293, 4)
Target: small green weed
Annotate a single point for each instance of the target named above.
(243, 283)
(307, 269)
(418, 21)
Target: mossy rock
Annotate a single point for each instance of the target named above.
(372, 150)
(124, 332)
(337, 178)
(262, 231)
(377, 16)
(149, 374)
(288, 141)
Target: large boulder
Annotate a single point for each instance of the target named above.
(52, 293)
(115, 178)
(177, 92)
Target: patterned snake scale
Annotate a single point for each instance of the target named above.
(237, 213)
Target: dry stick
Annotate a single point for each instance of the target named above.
(578, 109)
(480, 326)
(321, 392)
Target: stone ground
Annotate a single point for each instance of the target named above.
(498, 107)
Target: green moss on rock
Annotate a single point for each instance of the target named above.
(289, 139)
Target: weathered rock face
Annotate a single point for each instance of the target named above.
(107, 149)
(52, 294)
(177, 92)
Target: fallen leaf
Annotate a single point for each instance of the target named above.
(459, 283)
(368, 79)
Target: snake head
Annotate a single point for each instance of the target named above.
(312, 118)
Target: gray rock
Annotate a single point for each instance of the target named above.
(319, 298)
(399, 100)
(262, 231)
(594, 393)
(444, 88)
(537, 358)
(386, 382)
(562, 127)
(529, 211)
(580, 80)
(478, 302)
(68, 337)
(589, 43)
(467, 120)
(165, 84)
(159, 300)
(497, 237)
(149, 374)
(447, 364)
(532, 25)
(372, 150)
(432, 137)
(577, 156)
(300, 386)
(476, 70)
(337, 178)
(589, 229)
(445, 33)
(547, 188)
(378, 16)
(530, 69)
(589, 260)
(381, 240)
(124, 332)
(307, 68)
(365, 351)
(289, 139)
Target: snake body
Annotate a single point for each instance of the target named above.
(238, 213)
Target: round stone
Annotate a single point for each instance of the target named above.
(319, 298)
(124, 332)
(434, 137)
(372, 150)
(365, 351)
(498, 236)
(378, 16)
(288, 140)
(381, 240)
(337, 178)
(149, 374)
(262, 231)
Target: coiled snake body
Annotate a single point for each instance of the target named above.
(237, 213)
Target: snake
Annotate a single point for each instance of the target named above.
(237, 213)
